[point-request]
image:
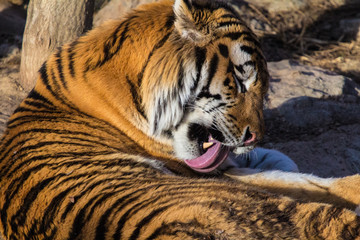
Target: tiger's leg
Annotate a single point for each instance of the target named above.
(342, 192)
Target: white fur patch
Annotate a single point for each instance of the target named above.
(240, 57)
(165, 108)
(298, 178)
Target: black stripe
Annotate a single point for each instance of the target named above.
(58, 117)
(240, 68)
(12, 190)
(124, 218)
(157, 46)
(232, 116)
(22, 109)
(36, 147)
(60, 67)
(212, 70)
(249, 63)
(224, 50)
(171, 228)
(236, 35)
(170, 21)
(81, 218)
(109, 53)
(37, 96)
(310, 229)
(349, 231)
(206, 94)
(226, 83)
(230, 68)
(33, 232)
(136, 98)
(216, 107)
(71, 52)
(45, 77)
(99, 198)
(200, 55)
(180, 77)
(19, 218)
(247, 49)
(78, 223)
(146, 220)
(216, 134)
(120, 203)
(48, 131)
(6, 171)
(52, 209)
(54, 80)
(37, 104)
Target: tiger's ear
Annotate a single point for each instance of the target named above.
(189, 23)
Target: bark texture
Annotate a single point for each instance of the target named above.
(50, 24)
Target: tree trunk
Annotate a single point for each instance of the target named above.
(50, 24)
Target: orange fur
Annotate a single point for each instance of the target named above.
(93, 151)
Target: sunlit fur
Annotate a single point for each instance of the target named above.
(96, 150)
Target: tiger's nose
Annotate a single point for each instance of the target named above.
(250, 137)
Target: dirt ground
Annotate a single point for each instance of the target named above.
(320, 40)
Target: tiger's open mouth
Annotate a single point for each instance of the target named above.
(212, 151)
(214, 155)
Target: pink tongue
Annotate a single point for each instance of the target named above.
(210, 160)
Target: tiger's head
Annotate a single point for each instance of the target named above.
(171, 75)
(204, 92)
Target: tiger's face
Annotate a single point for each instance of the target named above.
(226, 112)
(213, 97)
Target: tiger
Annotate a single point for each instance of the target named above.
(135, 130)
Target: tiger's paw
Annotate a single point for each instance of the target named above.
(265, 159)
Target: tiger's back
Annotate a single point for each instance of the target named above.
(106, 146)
(63, 189)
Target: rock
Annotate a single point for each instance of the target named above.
(313, 116)
(305, 96)
(290, 80)
(115, 9)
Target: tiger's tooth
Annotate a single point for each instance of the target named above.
(206, 145)
(211, 138)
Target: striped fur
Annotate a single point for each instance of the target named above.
(97, 149)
